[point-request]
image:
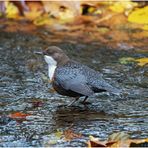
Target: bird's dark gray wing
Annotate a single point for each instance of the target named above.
(75, 82)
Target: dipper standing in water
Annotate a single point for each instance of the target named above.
(70, 78)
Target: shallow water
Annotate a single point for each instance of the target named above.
(24, 81)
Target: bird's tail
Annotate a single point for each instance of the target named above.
(115, 91)
(112, 89)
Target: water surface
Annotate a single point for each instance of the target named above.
(24, 81)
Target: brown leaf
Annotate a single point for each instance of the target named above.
(69, 135)
(94, 142)
(18, 115)
(139, 143)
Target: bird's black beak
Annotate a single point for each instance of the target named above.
(39, 52)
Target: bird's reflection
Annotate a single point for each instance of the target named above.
(66, 116)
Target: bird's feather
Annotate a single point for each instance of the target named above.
(75, 82)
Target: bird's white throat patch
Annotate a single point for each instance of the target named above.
(52, 64)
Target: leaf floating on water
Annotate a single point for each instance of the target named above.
(70, 135)
(126, 60)
(18, 115)
(59, 134)
(142, 61)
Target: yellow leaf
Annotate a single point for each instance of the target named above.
(11, 10)
(32, 15)
(43, 20)
(118, 136)
(142, 61)
(35, 10)
(91, 9)
(139, 16)
(145, 27)
(66, 16)
(120, 7)
(121, 139)
(59, 134)
(126, 60)
(117, 7)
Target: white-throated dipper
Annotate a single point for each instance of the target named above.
(70, 78)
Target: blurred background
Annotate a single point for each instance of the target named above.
(111, 22)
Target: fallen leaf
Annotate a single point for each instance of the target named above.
(59, 134)
(18, 115)
(120, 139)
(11, 10)
(139, 16)
(142, 61)
(117, 7)
(126, 60)
(69, 135)
(94, 142)
(139, 143)
(121, 6)
(118, 136)
(43, 20)
(35, 10)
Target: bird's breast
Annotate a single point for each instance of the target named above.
(51, 71)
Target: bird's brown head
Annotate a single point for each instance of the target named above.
(55, 56)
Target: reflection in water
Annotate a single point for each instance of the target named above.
(71, 115)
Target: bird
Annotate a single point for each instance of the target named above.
(71, 78)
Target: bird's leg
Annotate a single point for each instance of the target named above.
(76, 99)
(84, 101)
